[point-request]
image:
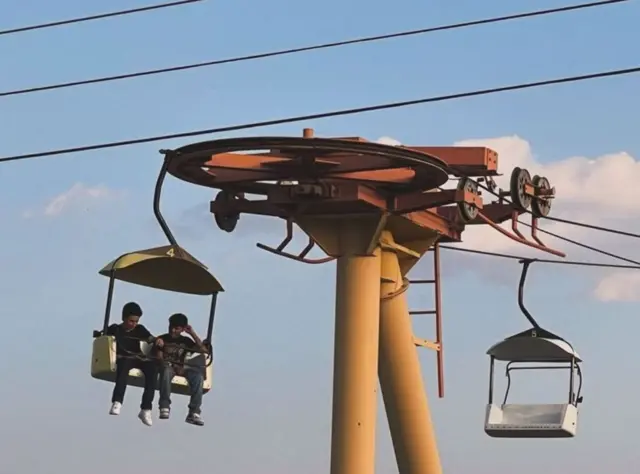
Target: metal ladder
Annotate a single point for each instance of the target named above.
(437, 311)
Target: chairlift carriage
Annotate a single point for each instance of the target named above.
(534, 349)
(168, 268)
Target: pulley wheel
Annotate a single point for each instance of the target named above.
(541, 205)
(226, 222)
(520, 177)
(468, 212)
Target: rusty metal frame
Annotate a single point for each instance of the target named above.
(301, 257)
(304, 178)
(517, 236)
(420, 201)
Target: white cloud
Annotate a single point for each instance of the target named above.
(388, 141)
(602, 190)
(619, 286)
(78, 197)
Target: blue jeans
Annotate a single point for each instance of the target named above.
(195, 379)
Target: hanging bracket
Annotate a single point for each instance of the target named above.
(523, 277)
(157, 193)
(302, 256)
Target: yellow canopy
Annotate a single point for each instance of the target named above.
(169, 268)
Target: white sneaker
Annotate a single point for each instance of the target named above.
(145, 417)
(115, 408)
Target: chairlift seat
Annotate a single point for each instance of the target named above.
(534, 346)
(531, 421)
(103, 366)
(168, 268)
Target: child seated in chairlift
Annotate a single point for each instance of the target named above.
(129, 334)
(172, 349)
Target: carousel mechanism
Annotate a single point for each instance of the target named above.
(353, 199)
(316, 176)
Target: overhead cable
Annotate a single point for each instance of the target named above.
(539, 260)
(593, 227)
(282, 52)
(315, 116)
(584, 246)
(99, 16)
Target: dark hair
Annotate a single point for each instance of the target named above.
(178, 320)
(131, 309)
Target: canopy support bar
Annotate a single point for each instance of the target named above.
(212, 316)
(107, 311)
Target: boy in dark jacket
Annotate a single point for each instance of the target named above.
(129, 334)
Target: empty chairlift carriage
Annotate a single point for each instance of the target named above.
(534, 349)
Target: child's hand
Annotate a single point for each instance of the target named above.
(159, 343)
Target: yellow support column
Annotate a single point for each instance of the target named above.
(354, 241)
(403, 391)
(355, 381)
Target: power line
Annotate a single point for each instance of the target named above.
(378, 107)
(270, 54)
(593, 227)
(539, 260)
(336, 113)
(302, 118)
(584, 246)
(99, 16)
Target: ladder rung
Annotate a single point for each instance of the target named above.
(426, 343)
(437, 344)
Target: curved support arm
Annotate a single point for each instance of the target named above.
(156, 197)
(297, 258)
(301, 257)
(523, 277)
(517, 236)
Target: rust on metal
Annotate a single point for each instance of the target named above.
(302, 256)
(416, 201)
(350, 175)
(518, 237)
(467, 161)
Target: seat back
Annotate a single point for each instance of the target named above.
(103, 366)
(525, 420)
(532, 415)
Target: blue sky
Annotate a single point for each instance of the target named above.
(271, 405)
